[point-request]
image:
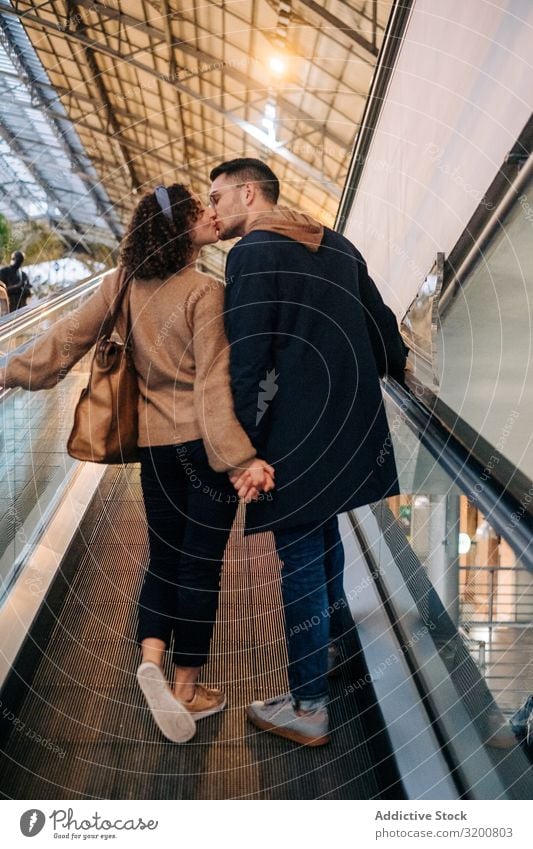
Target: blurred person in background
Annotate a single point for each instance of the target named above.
(16, 282)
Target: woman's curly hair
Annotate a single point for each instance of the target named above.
(153, 245)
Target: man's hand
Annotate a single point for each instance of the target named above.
(258, 476)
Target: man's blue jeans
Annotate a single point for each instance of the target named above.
(313, 597)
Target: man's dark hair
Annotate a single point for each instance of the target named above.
(251, 171)
(17, 256)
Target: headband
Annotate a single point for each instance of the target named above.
(161, 196)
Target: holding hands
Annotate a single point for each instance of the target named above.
(249, 481)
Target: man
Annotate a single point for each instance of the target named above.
(310, 336)
(16, 282)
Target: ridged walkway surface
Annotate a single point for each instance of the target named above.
(81, 728)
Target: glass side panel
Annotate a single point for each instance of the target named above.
(34, 464)
(479, 580)
(34, 427)
(485, 341)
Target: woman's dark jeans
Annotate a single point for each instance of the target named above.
(190, 511)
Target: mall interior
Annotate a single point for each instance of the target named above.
(405, 125)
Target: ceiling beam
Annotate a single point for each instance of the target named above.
(97, 79)
(135, 147)
(133, 120)
(173, 69)
(337, 24)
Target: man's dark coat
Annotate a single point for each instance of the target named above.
(310, 336)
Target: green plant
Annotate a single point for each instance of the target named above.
(5, 238)
(37, 241)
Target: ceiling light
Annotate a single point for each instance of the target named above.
(465, 543)
(277, 65)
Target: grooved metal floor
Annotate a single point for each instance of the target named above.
(81, 728)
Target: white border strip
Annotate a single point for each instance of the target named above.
(33, 582)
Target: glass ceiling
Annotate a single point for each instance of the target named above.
(161, 91)
(102, 99)
(44, 170)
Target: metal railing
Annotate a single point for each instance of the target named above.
(488, 600)
(496, 615)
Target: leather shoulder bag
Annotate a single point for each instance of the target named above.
(106, 425)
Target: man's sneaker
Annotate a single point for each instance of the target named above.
(175, 722)
(334, 661)
(279, 717)
(205, 702)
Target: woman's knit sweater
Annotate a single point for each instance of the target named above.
(180, 353)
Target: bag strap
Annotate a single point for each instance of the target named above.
(114, 314)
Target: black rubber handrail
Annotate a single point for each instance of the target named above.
(506, 473)
(497, 488)
(10, 325)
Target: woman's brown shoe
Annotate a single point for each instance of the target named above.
(205, 702)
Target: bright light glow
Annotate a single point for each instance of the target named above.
(465, 544)
(277, 65)
(269, 121)
(270, 128)
(483, 530)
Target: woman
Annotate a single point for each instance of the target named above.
(189, 437)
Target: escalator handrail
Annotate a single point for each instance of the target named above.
(16, 322)
(508, 475)
(11, 325)
(500, 503)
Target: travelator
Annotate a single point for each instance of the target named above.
(412, 712)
